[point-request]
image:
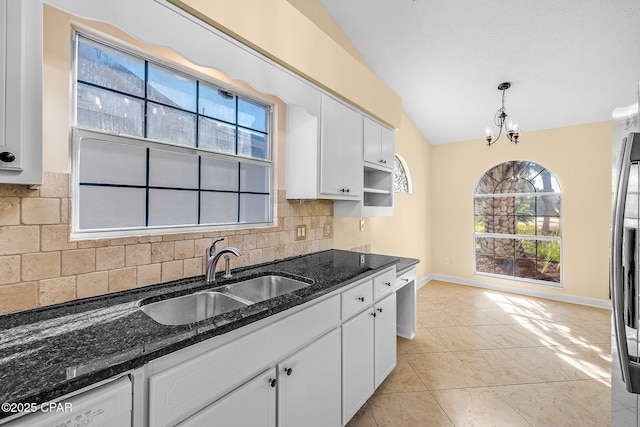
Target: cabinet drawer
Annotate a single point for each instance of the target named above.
(357, 299)
(186, 388)
(406, 278)
(384, 284)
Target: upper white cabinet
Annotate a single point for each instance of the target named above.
(324, 154)
(378, 144)
(20, 92)
(340, 149)
(341, 155)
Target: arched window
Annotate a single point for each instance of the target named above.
(401, 176)
(517, 223)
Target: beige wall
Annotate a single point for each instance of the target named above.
(579, 156)
(283, 33)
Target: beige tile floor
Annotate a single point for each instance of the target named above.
(486, 358)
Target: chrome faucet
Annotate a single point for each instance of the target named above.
(213, 257)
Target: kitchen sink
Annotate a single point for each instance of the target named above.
(203, 305)
(263, 288)
(191, 308)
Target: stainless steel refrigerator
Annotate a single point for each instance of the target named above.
(625, 266)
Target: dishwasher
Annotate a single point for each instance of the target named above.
(108, 405)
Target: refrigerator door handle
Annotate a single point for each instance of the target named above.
(630, 369)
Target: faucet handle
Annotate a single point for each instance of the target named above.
(212, 249)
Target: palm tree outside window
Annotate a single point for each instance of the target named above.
(517, 223)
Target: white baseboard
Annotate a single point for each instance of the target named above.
(515, 290)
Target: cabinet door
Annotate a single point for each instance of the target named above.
(387, 146)
(372, 141)
(331, 147)
(309, 385)
(341, 150)
(357, 362)
(385, 338)
(352, 152)
(253, 404)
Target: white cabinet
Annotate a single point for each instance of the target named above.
(341, 155)
(357, 362)
(314, 367)
(21, 91)
(309, 385)
(324, 153)
(253, 404)
(341, 149)
(385, 338)
(384, 284)
(378, 144)
(368, 353)
(377, 174)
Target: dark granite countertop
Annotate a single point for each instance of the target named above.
(51, 351)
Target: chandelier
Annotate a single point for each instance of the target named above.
(509, 127)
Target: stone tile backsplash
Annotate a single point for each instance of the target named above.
(39, 265)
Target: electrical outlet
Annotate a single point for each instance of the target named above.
(301, 232)
(328, 232)
(362, 225)
(446, 261)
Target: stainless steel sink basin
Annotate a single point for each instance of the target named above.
(264, 287)
(191, 308)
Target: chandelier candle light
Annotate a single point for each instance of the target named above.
(511, 128)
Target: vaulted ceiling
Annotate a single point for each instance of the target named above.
(570, 62)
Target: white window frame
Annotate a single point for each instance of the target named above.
(77, 133)
(518, 236)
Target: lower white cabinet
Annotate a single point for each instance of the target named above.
(253, 404)
(315, 367)
(368, 353)
(309, 385)
(357, 363)
(385, 338)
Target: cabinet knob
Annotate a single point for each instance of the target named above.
(373, 314)
(361, 299)
(387, 283)
(288, 371)
(404, 279)
(379, 310)
(273, 382)
(7, 157)
(342, 190)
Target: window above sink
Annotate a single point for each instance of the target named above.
(158, 147)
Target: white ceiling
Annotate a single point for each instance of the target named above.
(569, 61)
